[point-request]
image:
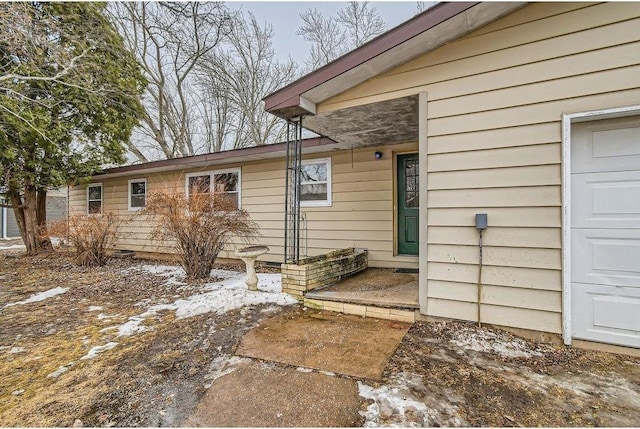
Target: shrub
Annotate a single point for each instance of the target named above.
(90, 235)
(201, 226)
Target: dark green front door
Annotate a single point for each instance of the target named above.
(408, 196)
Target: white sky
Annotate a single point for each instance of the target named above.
(285, 18)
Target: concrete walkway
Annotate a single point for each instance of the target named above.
(305, 373)
(259, 395)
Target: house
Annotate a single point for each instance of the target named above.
(526, 112)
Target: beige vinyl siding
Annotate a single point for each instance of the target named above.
(496, 98)
(361, 214)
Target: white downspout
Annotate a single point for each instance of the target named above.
(422, 201)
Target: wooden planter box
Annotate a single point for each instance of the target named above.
(323, 270)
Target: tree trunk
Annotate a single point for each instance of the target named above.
(30, 211)
(44, 243)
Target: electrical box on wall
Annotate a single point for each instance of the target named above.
(481, 221)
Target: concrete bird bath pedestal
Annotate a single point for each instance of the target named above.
(249, 256)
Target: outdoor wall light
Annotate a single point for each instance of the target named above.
(378, 155)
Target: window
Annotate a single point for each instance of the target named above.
(94, 198)
(225, 182)
(411, 188)
(315, 183)
(137, 194)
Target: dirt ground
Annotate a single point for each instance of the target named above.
(451, 374)
(487, 377)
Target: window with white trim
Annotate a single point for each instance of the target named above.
(94, 198)
(219, 182)
(137, 194)
(315, 183)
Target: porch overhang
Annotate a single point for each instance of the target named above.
(375, 124)
(423, 33)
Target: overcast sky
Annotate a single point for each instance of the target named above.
(285, 18)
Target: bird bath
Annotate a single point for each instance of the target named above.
(249, 256)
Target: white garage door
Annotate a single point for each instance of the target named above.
(605, 231)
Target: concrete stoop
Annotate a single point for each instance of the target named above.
(363, 310)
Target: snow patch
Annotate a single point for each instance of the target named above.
(12, 246)
(95, 351)
(400, 404)
(505, 345)
(41, 296)
(58, 372)
(232, 293)
(219, 297)
(160, 270)
(102, 316)
(94, 308)
(303, 369)
(15, 350)
(221, 366)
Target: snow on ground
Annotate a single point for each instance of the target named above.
(95, 351)
(228, 293)
(41, 296)
(58, 372)
(94, 308)
(222, 365)
(11, 246)
(403, 403)
(505, 345)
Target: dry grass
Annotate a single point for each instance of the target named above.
(150, 379)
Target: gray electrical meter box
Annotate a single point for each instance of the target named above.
(481, 220)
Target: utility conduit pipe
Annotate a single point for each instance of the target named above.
(481, 224)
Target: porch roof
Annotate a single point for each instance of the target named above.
(391, 121)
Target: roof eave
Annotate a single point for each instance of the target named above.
(230, 156)
(286, 98)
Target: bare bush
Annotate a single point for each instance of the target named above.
(90, 235)
(201, 225)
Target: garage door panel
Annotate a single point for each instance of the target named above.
(608, 257)
(616, 312)
(606, 200)
(608, 314)
(612, 145)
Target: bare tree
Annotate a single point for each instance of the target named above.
(361, 22)
(169, 40)
(331, 37)
(421, 6)
(328, 39)
(238, 75)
